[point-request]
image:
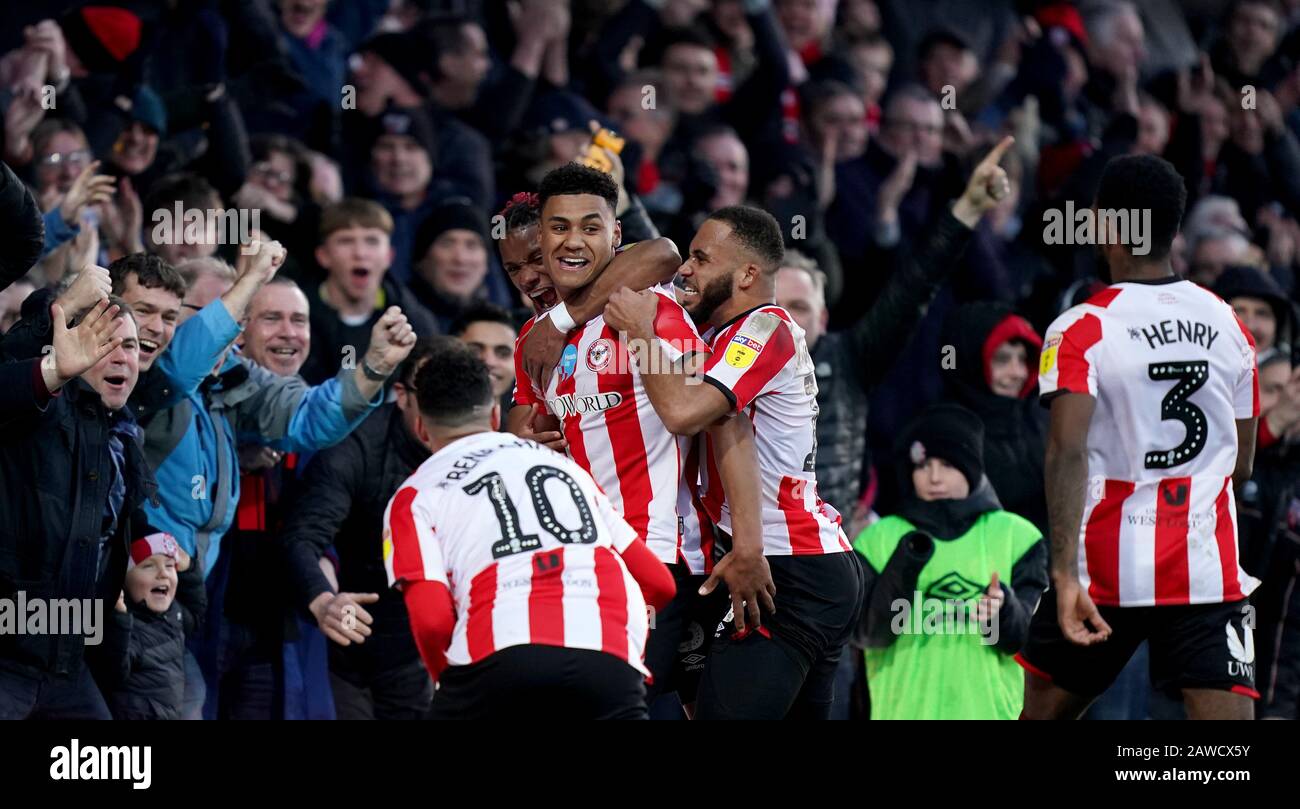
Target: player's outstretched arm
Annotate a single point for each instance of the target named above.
(1067, 480)
(641, 266)
(1247, 429)
(656, 580)
(744, 569)
(433, 619)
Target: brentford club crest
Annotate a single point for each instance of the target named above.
(599, 354)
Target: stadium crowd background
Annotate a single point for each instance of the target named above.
(349, 123)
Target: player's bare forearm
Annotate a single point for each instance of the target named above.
(646, 265)
(733, 445)
(517, 419)
(1067, 479)
(683, 403)
(1246, 432)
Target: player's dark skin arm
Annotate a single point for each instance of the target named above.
(1247, 429)
(646, 265)
(1066, 482)
(744, 569)
(686, 406)
(530, 421)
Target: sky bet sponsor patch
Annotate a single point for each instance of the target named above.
(742, 350)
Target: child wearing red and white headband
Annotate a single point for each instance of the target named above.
(142, 672)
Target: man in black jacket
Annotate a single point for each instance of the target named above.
(375, 668)
(74, 480)
(24, 230)
(851, 362)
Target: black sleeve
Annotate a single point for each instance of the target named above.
(604, 72)
(1028, 581)
(501, 105)
(636, 223)
(897, 580)
(323, 502)
(23, 228)
(1282, 153)
(71, 106)
(228, 157)
(27, 338)
(1280, 687)
(758, 100)
(192, 594)
(111, 662)
(888, 325)
(20, 401)
(1184, 152)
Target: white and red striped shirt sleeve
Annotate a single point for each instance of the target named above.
(1068, 362)
(673, 327)
(524, 393)
(411, 548)
(1245, 396)
(749, 362)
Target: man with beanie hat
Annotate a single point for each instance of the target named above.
(100, 38)
(1260, 304)
(391, 74)
(403, 159)
(451, 262)
(941, 623)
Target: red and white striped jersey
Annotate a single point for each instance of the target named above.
(613, 430)
(1171, 368)
(526, 544)
(761, 364)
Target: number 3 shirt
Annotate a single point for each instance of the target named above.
(1172, 369)
(527, 545)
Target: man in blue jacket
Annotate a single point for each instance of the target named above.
(193, 444)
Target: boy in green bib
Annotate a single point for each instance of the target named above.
(952, 581)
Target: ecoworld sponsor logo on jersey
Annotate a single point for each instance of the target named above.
(93, 763)
(53, 616)
(1071, 226)
(572, 404)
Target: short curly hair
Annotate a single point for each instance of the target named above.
(453, 386)
(1146, 183)
(150, 272)
(757, 230)
(575, 178)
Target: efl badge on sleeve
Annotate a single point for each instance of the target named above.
(1048, 359)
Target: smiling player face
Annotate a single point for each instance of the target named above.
(579, 235)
